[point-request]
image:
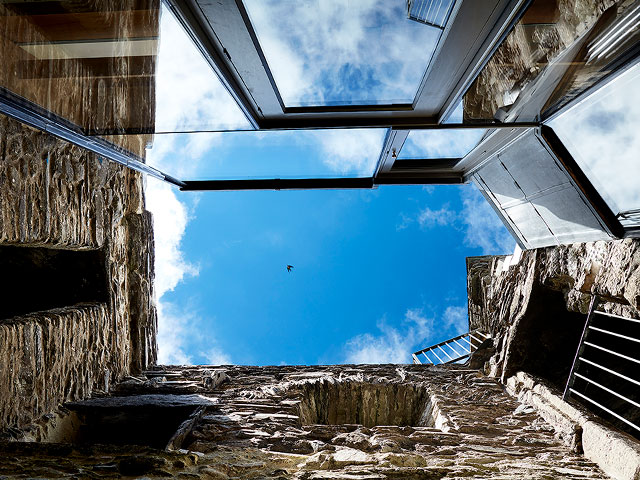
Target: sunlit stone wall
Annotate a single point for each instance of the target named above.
(421, 422)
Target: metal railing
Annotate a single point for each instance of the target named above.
(457, 349)
(605, 372)
(429, 12)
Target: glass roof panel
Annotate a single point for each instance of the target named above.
(267, 154)
(551, 56)
(341, 52)
(601, 133)
(433, 144)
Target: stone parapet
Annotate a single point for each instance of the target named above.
(617, 453)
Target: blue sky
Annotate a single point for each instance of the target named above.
(336, 52)
(377, 274)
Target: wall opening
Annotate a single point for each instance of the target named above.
(145, 424)
(368, 404)
(36, 278)
(545, 340)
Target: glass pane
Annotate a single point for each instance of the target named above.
(189, 96)
(601, 133)
(341, 52)
(433, 144)
(552, 55)
(271, 154)
(111, 71)
(431, 12)
(83, 63)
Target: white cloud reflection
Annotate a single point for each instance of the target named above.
(336, 51)
(189, 95)
(454, 143)
(602, 135)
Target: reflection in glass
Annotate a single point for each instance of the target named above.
(456, 115)
(336, 52)
(431, 12)
(601, 133)
(92, 64)
(552, 54)
(122, 74)
(433, 144)
(189, 96)
(271, 154)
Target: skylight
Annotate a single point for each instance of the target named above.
(343, 53)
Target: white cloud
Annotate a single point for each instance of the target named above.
(441, 143)
(323, 51)
(482, 226)
(395, 344)
(188, 93)
(455, 319)
(444, 216)
(188, 96)
(351, 151)
(170, 217)
(602, 134)
(392, 345)
(215, 356)
(173, 333)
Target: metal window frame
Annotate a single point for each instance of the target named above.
(229, 43)
(492, 20)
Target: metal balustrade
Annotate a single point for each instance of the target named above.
(437, 354)
(605, 374)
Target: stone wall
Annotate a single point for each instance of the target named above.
(56, 195)
(253, 422)
(537, 303)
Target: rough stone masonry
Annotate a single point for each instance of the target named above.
(349, 422)
(81, 397)
(56, 197)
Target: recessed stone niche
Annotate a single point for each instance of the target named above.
(35, 279)
(368, 404)
(146, 420)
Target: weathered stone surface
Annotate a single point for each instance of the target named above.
(535, 310)
(617, 453)
(256, 425)
(55, 195)
(537, 305)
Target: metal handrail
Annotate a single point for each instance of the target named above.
(609, 368)
(467, 350)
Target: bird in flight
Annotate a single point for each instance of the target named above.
(289, 267)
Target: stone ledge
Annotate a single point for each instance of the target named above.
(616, 453)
